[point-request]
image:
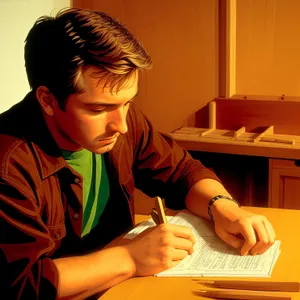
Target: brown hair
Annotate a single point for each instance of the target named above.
(58, 49)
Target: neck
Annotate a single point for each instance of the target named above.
(61, 139)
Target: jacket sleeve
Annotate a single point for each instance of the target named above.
(161, 166)
(26, 271)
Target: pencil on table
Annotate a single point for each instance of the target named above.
(258, 285)
(240, 294)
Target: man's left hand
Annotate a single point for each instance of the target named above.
(233, 222)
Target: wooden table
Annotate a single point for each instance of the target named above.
(287, 268)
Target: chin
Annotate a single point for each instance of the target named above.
(103, 149)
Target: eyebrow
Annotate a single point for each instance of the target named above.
(99, 103)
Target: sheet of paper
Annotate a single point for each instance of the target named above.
(212, 257)
(141, 227)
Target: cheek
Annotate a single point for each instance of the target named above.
(92, 126)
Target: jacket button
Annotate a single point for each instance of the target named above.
(77, 180)
(76, 216)
(57, 236)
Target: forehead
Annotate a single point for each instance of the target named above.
(95, 86)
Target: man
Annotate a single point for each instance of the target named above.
(71, 153)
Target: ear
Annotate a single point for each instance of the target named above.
(46, 100)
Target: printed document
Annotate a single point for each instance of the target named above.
(212, 256)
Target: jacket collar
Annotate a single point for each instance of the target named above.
(32, 128)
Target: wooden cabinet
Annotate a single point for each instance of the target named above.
(284, 184)
(258, 129)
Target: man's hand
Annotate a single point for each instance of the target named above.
(231, 221)
(160, 248)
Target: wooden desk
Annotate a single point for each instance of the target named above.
(287, 268)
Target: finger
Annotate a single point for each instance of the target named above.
(271, 229)
(271, 236)
(263, 250)
(181, 231)
(179, 254)
(229, 238)
(263, 238)
(183, 244)
(249, 235)
(174, 263)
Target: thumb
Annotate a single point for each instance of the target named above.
(229, 238)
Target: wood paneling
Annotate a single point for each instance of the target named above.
(257, 114)
(267, 47)
(284, 184)
(182, 38)
(245, 177)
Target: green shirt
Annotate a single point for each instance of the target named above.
(91, 167)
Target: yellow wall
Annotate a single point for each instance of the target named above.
(268, 47)
(182, 38)
(16, 19)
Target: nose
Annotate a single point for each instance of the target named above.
(117, 121)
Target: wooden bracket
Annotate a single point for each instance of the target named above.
(239, 132)
(212, 118)
(269, 130)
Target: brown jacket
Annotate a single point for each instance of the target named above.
(41, 196)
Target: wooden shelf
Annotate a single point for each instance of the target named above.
(223, 141)
(269, 130)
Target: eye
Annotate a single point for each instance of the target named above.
(97, 111)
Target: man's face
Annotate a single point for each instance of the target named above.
(95, 118)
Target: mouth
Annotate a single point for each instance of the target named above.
(108, 140)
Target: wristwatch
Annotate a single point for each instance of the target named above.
(212, 201)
